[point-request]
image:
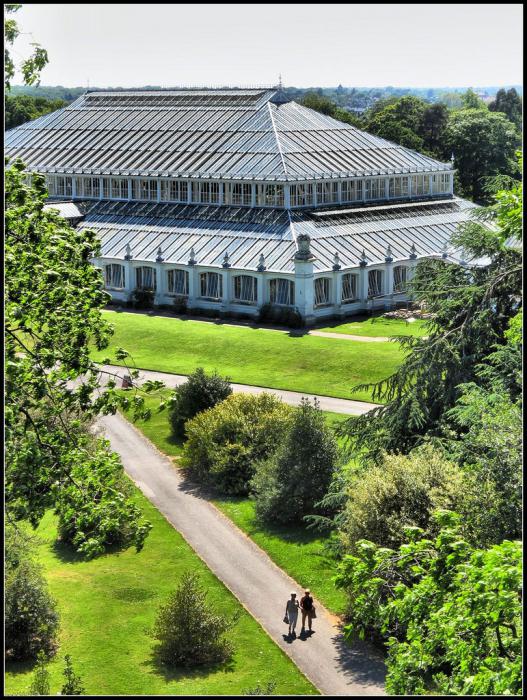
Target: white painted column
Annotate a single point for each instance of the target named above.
(158, 190)
(73, 187)
(220, 199)
(304, 289)
(253, 194)
(430, 184)
(130, 188)
(363, 283)
(101, 188)
(287, 196)
(387, 188)
(227, 291)
(160, 283)
(189, 192)
(193, 289)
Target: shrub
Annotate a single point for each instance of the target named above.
(267, 689)
(40, 683)
(142, 298)
(72, 683)
(402, 491)
(296, 477)
(179, 305)
(283, 315)
(31, 617)
(188, 631)
(225, 442)
(199, 392)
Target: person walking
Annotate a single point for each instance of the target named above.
(291, 613)
(308, 609)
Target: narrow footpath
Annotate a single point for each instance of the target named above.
(327, 403)
(333, 666)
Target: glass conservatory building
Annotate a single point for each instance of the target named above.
(237, 198)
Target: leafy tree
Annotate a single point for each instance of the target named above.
(483, 144)
(487, 444)
(31, 617)
(325, 105)
(296, 477)
(72, 682)
(54, 297)
(400, 122)
(189, 632)
(432, 127)
(450, 615)
(510, 103)
(471, 307)
(24, 108)
(31, 67)
(40, 682)
(470, 100)
(401, 491)
(199, 392)
(225, 442)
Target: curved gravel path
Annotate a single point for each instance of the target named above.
(327, 403)
(334, 667)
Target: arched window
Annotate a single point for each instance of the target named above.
(282, 292)
(322, 291)
(374, 283)
(400, 278)
(145, 277)
(178, 282)
(211, 285)
(114, 276)
(349, 287)
(245, 289)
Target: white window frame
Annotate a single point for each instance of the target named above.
(119, 188)
(88, 187)
(282, 288)
(400, 278)
(352, 285)
(270, 195)
(375, 289)
(211, 285)
(301, 195)
(144, 190)
(145, 271)
(245, 289)
(179, 289)
(240, 194)
(322, 291)
(114, 276)
(174, 191)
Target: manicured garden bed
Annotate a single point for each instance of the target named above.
(315, 365)
(108, 604)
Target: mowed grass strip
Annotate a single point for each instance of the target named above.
(310, 364)
(379, 327)
(299, 551)
(108, 604)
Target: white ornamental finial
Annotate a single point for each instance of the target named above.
(261, 263)
(336, 261)
(192, 259)
(159, 255)
(226, 262)
(128, 253)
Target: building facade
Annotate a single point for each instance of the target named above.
(231, 199)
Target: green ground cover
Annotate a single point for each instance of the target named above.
(379, 327)
(300, 552)
(108, 604)
(315, 365)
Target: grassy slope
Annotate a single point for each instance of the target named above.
(295, 549)
(324, 366)
(379, 327)
(107, 604)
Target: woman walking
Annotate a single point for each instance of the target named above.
(291, 613)
(307, 608)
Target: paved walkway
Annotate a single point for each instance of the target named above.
(327, 403)
(334, 667)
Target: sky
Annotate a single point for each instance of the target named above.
(403, 45)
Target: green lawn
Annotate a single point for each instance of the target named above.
(107, 605)
(298, 551)
(379, 327)
(324, 366)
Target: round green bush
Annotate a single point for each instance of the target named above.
(224, 443)
(199, 392)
